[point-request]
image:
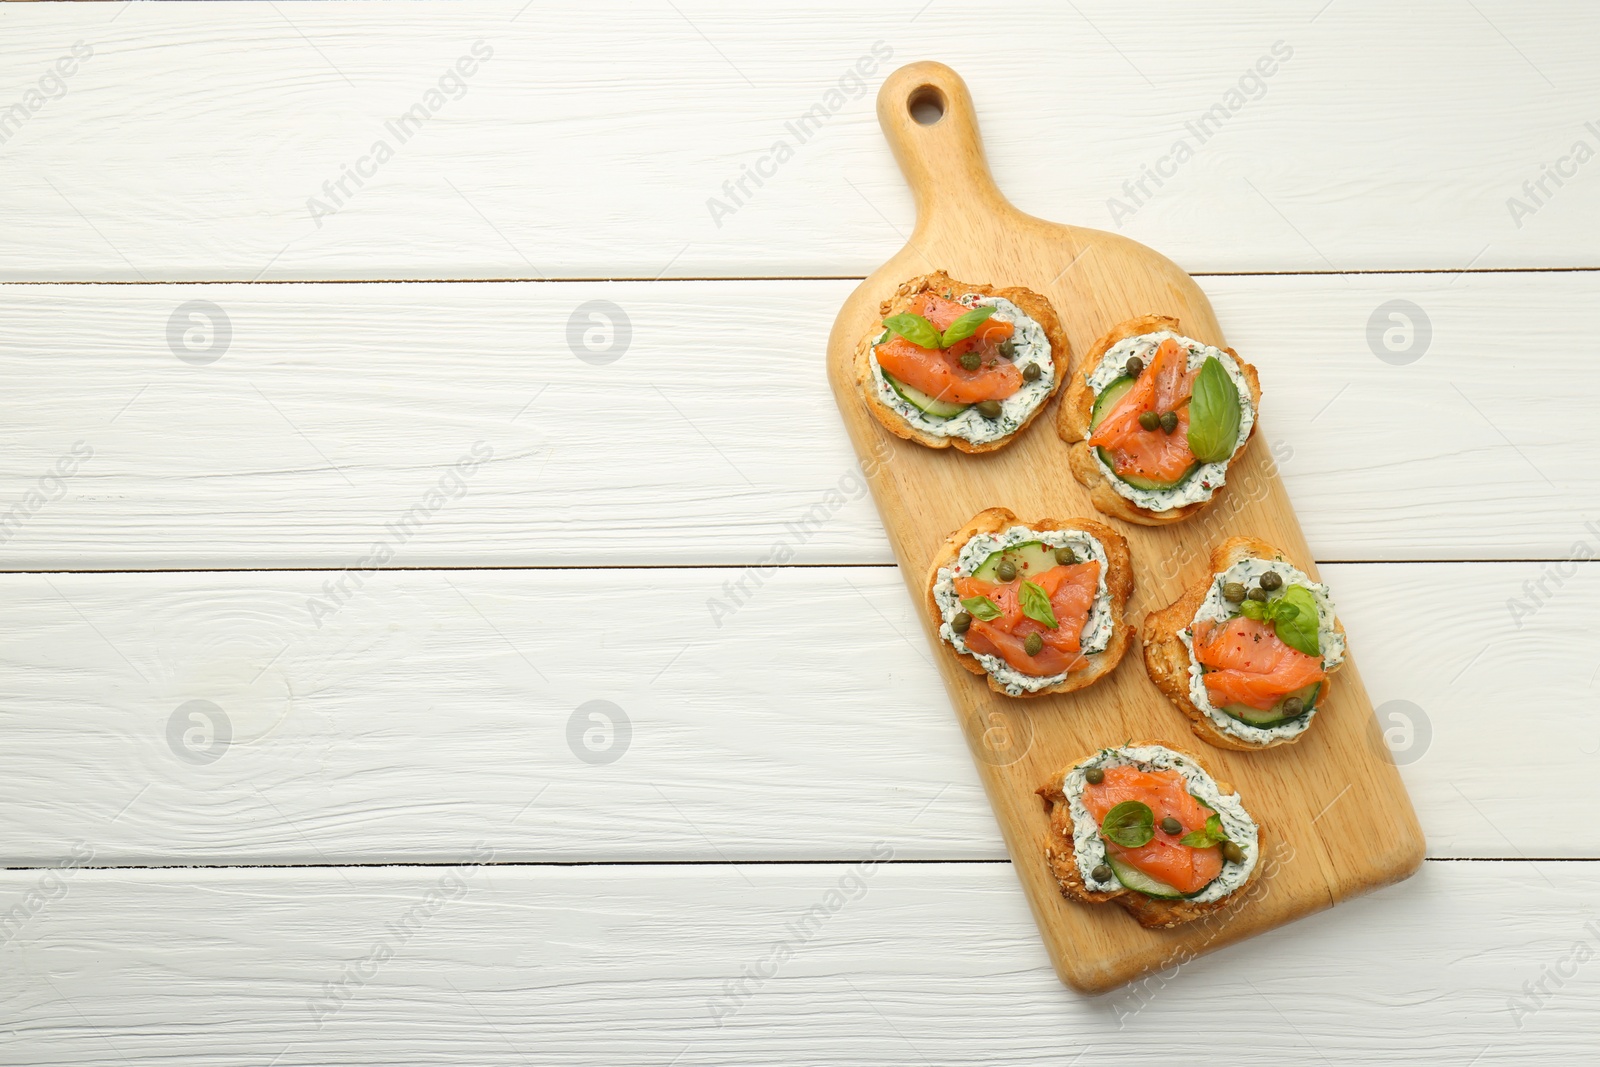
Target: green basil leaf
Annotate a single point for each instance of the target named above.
(981, 607)
(914, 328)
(1299, 631)
(966, 325)
(1129, 824)
(1253, 609)
(1213, 413)
(1211, 834)
(1036, 605)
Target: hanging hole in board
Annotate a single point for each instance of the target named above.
(926, 105)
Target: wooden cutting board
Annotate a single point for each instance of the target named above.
(1338, 817)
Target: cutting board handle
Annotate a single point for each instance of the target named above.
(943, 160)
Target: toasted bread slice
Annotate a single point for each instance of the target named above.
(1152, 912)
(1166, 659)
(1033, 305)
(1077, 409)
(1119, 586)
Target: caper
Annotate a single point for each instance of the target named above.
(1149, 420)
(1033, 645)
(1101, 873)
(1094, 775)
(1065, 556)
(1169, 825)
(1233, 592)
(1031, 372)
(1005, 570)
(1257, 593)
(971, 361)
(1008, 349)
(989, 409)
(961, 623)
(1169, 422)
(1293, 706)
(1232, 852)
(1134, 367)
(1271, 580)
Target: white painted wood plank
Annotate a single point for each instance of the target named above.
(917, 964)
(189, 145)
(434, 710)
(337, 409)
(1428, 435)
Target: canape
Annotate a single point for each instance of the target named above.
(1146, 827)
(1247, 653)
(1035, 607)
(955, 364)
(1155, 418)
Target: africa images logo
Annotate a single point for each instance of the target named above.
(1251, 85)
(1539, 191)
(52, 85)
(851, 85)
(451, 85)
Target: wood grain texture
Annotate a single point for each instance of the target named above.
(607, 965)
(409, 727)
(337, 408)
(1095, 280)
(189, 145)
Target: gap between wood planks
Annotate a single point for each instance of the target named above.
(923, 862)
(751, 277)
(676, 566)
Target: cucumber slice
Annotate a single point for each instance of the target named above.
(1031, 557)
(928, 405)
(1102, 405)
(1139, 882)
(1133, 878)
(1149, 483)
(1274, 715)
(1108, 398)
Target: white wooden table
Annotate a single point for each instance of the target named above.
(522, 794)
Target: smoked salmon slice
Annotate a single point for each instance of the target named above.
(1071, 590)
(1250, 665)
(1183, 867)
(938, 372)
(1164, 386)
(941, 313)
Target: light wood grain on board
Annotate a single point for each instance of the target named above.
(336, 408)
(606, 965)
(190, 144)
(1095, 280)
(409, 727)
